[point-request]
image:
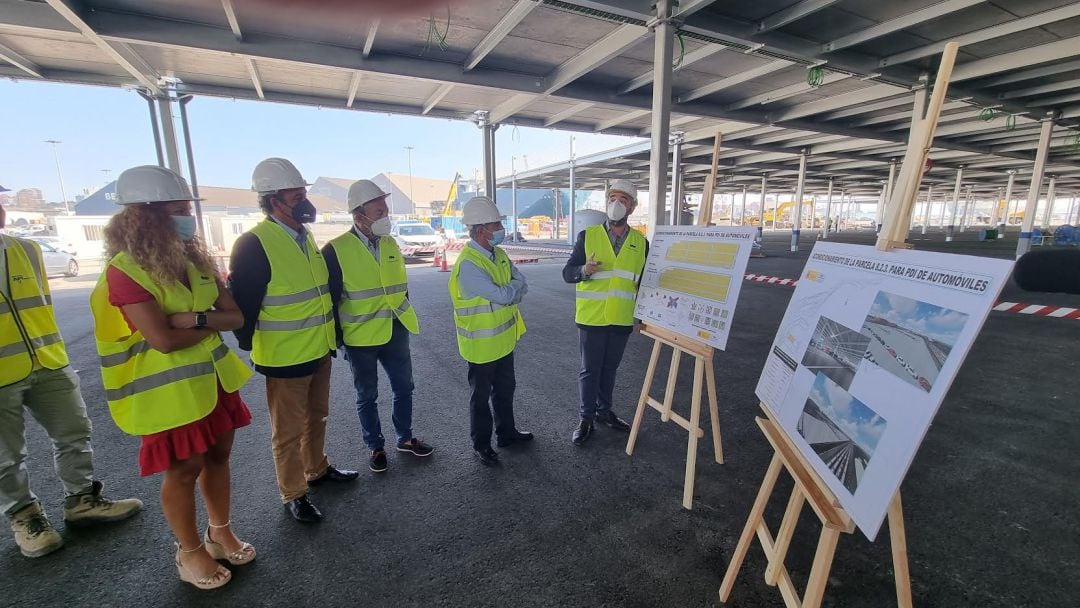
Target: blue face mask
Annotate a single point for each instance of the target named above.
(185, 226)
(497, 237)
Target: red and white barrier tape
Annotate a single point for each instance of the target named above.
(1060, 312)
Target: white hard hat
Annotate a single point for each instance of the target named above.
(624, 186)
(151, 184)
(362, 192)
(275, 174)
(480, 210)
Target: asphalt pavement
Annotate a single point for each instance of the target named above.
(990, 500)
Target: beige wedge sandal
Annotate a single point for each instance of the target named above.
(244, 555)
(219, 578)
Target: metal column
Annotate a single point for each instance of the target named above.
(571, 233)
(955, 203)
(761, 221)
(742, 209)
(828, 211)
(513, 195)
(487, 135)
(926, 212)
(664, 33)
(796, 224)
(1050, 195)
(556, 210)
(1008, 203)
(968, 202)
(677, 179)
(168, 132)
(886, 194)
(155, 127)
(191, 168)
(1023, 245)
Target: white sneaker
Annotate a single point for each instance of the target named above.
(33, 532)
(93, 508)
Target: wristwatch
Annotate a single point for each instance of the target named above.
(200, 320)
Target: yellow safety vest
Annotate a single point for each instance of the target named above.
(150, 391)
(374, 291)
(28, 328)
(296, 321)
(485, 331)
(607, 297)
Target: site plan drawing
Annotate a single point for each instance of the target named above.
(692, 278)
(867, 349)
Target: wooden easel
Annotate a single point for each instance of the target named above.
(809, 488)
(703, 372)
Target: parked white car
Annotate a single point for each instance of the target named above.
(417, 234)
(56, 243)
(58, 262)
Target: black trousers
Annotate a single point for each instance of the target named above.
(601, 352)
(491, 382)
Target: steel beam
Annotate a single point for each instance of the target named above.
(506, 109)
(256, 81)
(784, 92)
(354, 86)
(820, 106)
(599, 52)
(620, 119)
(792, 13)
(369, 40)
(440, 92)
(122, 54)
(230, 15)
(934, 11)
(796, 224)
(1017, 60)
(692, 57)
(1051, 194)
(1032, 74)
(734, 80)
(989, 33)
(9, 55)
(1052, 87)
(502, 29)
(1057, 100)
(567, 113)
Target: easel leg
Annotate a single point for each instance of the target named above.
(643, 400)
(752, 523)
(714, 416)
(669, 392)
(898, 539)
(691, 445)
(783, 537)
(819, 573)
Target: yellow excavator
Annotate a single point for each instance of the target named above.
(781, 217)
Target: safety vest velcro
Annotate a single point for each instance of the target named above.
(150, 391)
(28, 331)
(486, 331)
(296, 320)
(373, 293)
(607, 297)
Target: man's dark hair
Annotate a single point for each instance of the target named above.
(265, 202)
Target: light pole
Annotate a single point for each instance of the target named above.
(59, 175)
(411, 200)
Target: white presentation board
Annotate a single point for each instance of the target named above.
(866, 351)
(692, 280)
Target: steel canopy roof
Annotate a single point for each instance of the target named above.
(586, 65)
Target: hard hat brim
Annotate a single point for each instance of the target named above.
(122, 203)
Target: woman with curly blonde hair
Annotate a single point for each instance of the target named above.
(168, 376)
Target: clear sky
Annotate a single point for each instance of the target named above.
(105, 128)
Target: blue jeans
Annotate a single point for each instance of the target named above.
(397, 363)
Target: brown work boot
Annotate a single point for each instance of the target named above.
(92, 508)
(33, 532)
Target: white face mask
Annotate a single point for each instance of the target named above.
(615, 210)
(381, 226)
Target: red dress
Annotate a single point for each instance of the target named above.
(160, 450)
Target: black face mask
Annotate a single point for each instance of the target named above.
(303, 212)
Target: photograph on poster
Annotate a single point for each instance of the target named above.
(836, 351)
(841, 430)
(911, 339)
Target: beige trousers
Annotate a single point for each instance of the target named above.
(298, 411)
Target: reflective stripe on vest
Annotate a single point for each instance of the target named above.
(296, 320)
(150, 391)
(28, 329)
(373, 291)
(607, 297)
(485, 331)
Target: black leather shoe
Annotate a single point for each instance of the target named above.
(334, 475)
(488, 457)
(582, 433)
(302, 510)
(514, 437)
(609, 418)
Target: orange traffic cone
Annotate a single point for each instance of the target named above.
(444, 266)
(435, 260)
